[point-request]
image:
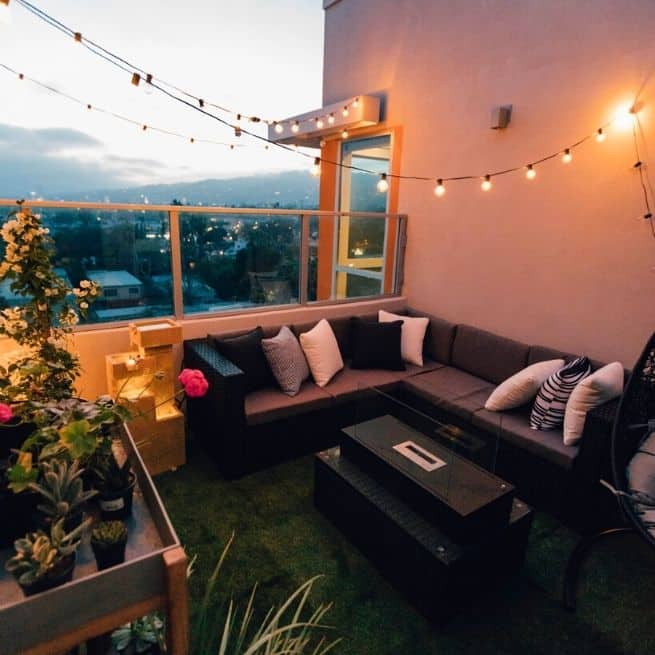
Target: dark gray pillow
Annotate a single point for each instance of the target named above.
(286, 360)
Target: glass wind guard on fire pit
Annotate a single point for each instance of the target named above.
(439, 455)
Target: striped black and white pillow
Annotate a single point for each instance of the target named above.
(550, 404)
(287, 360)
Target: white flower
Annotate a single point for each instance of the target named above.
(85, 284)
(84, 305)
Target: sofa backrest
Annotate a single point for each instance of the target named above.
(439, 337)
(544, 353)
(487, 355)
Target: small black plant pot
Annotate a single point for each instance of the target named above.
(116, 505)
(108, 555)
(60, 574)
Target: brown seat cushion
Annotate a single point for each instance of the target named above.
(438, 337)
(270, 404)
(487, 355)
(465, 406)
(548, 444)
(446, 384)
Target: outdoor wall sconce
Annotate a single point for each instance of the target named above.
(500, 117)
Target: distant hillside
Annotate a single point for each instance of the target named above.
(292, 189)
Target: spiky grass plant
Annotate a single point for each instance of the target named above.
(290, 629)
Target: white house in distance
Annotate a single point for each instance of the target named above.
(119, 288)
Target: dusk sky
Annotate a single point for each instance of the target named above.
(260, 57)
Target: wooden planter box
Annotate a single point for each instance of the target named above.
(152, 577)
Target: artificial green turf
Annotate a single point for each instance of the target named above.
(281, 540)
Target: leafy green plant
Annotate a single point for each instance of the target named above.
(38, 553)
(45, 368)
(142, 634)
(109, 532)
(108, 475)
(290, 629)
(61, 488)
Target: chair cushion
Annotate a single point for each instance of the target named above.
(601, 386)
(376, 345)
(543, 353)
(270, 404)
(549, 445)
(550, 403)
(413, 335)
(523, 386)
(322, 352)
(487, 355)
(465, 406)
(446, 383)
(349, 383)
(340, 327)
(438, 337)
(245, 351)
(286, 360)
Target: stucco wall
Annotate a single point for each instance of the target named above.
(563, 260)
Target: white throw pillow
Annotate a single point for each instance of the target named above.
(522, 387)
(322, 352)
(604, 384)
(412, 335)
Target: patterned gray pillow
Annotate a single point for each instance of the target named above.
(287, 360)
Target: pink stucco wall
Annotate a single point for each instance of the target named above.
(563, 260)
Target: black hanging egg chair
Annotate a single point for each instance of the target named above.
(633, 466)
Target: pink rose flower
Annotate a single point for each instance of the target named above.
(6, 414)
(194, 382)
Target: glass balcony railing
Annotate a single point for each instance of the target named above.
(182, 261)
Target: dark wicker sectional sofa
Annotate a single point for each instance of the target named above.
(463, 364)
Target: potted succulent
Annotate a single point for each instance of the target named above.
(144, 636)
(43, 561)
(115, 484)
(108, 541)
(62, 493)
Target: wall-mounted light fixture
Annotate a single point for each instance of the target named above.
(500, 117)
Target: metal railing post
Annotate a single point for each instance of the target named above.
(303, 282)
(176, 263)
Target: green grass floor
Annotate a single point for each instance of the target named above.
(281, 540)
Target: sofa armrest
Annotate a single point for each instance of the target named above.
(218, 418)
(594, 459)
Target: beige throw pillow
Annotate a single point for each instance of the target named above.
(322, 352)
(523, 386)
(604, 384)
(412, 334)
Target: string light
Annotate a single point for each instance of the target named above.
(600, 135)
(136, 79)
(331, 118)
(319, 123)
(344, 111)
(315, 169)
(383, 185)
(295, 127)
(530, 173)
(5, 12)
(279, 128)
(77, 36)
(344, 134)
(356, 103)
(440, 189)
(567, 157)
(486, 183)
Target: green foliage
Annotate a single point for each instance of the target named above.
(109, 532)
(108, 474)
(38, 553)
(22, 474)
(142, 634)
(61, 488)
(78, 437)
(290, 629)
(45, 369)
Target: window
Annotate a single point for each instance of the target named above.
(110, 293)
(362, 241)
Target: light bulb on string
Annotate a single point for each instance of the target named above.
(530, 173)
(440, 189)
(486, 183)
(567, 157)
(279, 128)
(600, 135)
(147, 87)
(5, 13)
(344, 134)
(136, 79)
(319, 123)
(315, 169)
(331, 119)
(625, 117)
(383, 184)
(295, 127)
(345, 111)
(355, 103)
